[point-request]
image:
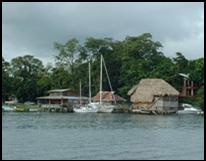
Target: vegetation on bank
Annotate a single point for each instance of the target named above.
(127, 61)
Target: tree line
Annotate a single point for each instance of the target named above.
(128, 61)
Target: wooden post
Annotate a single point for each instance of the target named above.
(61, 101)
(184, 87)
(192, 87)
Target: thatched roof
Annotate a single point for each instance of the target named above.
(107, 96)
(148, 88)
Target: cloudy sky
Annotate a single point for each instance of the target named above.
(32, 28)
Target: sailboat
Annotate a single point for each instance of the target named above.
(101, 106)
(90, 107)
(97, 106)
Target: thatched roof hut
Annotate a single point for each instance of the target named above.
(107, 96)
(147, 89)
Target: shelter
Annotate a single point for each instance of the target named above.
(154, 95)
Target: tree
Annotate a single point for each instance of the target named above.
(26, 71)
(127, 61)
(68, 53)
(45, 82)
(181, 63)
(61, 78)
(199, 98)
(196, 71)
(140, 56)
(6, 80)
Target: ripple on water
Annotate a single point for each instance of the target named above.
(101, 136)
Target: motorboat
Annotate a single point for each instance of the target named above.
(7, 108)
(189, 109)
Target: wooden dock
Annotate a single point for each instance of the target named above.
(56, 108)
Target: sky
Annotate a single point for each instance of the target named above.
(33, 27)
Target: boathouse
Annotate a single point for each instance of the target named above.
(61, 99)
(154, 96)
(109, 97)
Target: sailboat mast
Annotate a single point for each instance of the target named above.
(110, 85)
(101, 81)
(89, 83)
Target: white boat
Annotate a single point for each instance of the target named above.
(105, 107)
(7, 108)
(189, 109)
(90, 107)
(97, 106)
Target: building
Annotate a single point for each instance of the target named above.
(108, 96)
(188, 88)
(154, 96)
(61, 99)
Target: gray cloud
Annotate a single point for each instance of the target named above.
(34, 27)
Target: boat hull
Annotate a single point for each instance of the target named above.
(88, 108)
(8, 108)
(105, 108)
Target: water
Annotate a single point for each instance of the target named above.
(101, 136)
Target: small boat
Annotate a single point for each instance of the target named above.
(7, 108)
(189, 109)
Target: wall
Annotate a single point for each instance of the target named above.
(167, 103)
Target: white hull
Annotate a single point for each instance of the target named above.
(84, 110)
(8, 109)
(33, 110)
(95, 107)
(105, 108)
(88, 108)
(190, 110)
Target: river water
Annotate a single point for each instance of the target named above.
(101, 136)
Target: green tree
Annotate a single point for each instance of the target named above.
(67, 55)
(26, 71)
(61, 78)
(6, 80)
(140, 57)
(196, 71)
(199, 98)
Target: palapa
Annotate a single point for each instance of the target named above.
(148, 88)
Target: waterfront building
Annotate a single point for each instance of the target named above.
(154, 96)
(61, 99)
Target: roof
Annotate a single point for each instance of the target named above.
(61, 97)
(148, 88)
(107, 96)
(59, 90)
